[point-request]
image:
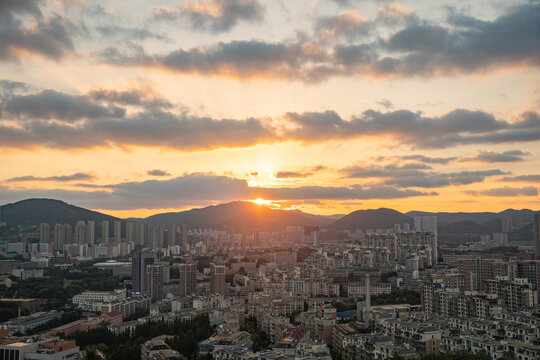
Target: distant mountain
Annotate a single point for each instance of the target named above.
(463, 226)
(238, 214)
(447, 218)
(372, 219)
(36, 211)
(334, 217)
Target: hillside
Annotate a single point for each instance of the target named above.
(464, 226)
(237, 214)
(36, 211)
(372, 219)
(447, 218)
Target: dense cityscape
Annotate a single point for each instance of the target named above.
(135, 289)
(269, 180)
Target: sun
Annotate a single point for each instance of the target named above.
(261, 201)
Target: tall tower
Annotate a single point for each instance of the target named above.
(188, 278)
(117, 232)
(80, 233)
(130, 231)
(217, 278)
(154, 281)
(368, 299)
(537, 235)
(171, 234)
(44, 233)
(105, 231)
(141, 260)
(59, 237)
(91, 232)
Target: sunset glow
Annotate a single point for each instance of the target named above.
(135, 108)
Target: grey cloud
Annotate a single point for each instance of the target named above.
(454, 128)
(47, 36)
(199, 188)
(61, 178)
(133, 96)
(157, 172)
(498, 157)
(521, 178)
(127, 33)
(417, 49)
(507, 192)
(387, 104)
(351, 192)
(218, 16)
(429, 160)
(292, 174)
(51, 104)
(417, 175)
(348, 25)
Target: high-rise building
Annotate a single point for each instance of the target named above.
(44, 233)
(425, 223)
(506, 224)
(188, 278)
(105, 231)
(117, 232)
(59, 237)
(183, 235)
(406, 228)
(130, 231)
(140, 233)
(171, 234)
(154, 281)
(80, 233)
(91, 232)
(217, 278)
(140, 262)
(537, 235)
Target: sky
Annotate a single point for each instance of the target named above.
(139, 107)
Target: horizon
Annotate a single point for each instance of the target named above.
(139, 108)
(269, 206)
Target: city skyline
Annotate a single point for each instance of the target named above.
(327, 107)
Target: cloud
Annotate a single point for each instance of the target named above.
(299, 174)
(215, 16)
(144, 96)
(157, 172)
(385, 103)
(292, 175)
(506, 192)
(141, 117)
(46, 36)
(348, 24)
(418, 48)
(498, 157)
(128, 33)
(417, 175)
(428, 160)
(60, 178)
(458, 127)
(521, 178)
(199, 188)
(52, 104)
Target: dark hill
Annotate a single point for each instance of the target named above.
(237, 214)
(372, 219)
(464, 226)
(36, 211)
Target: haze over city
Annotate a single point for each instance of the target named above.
(329, 106)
